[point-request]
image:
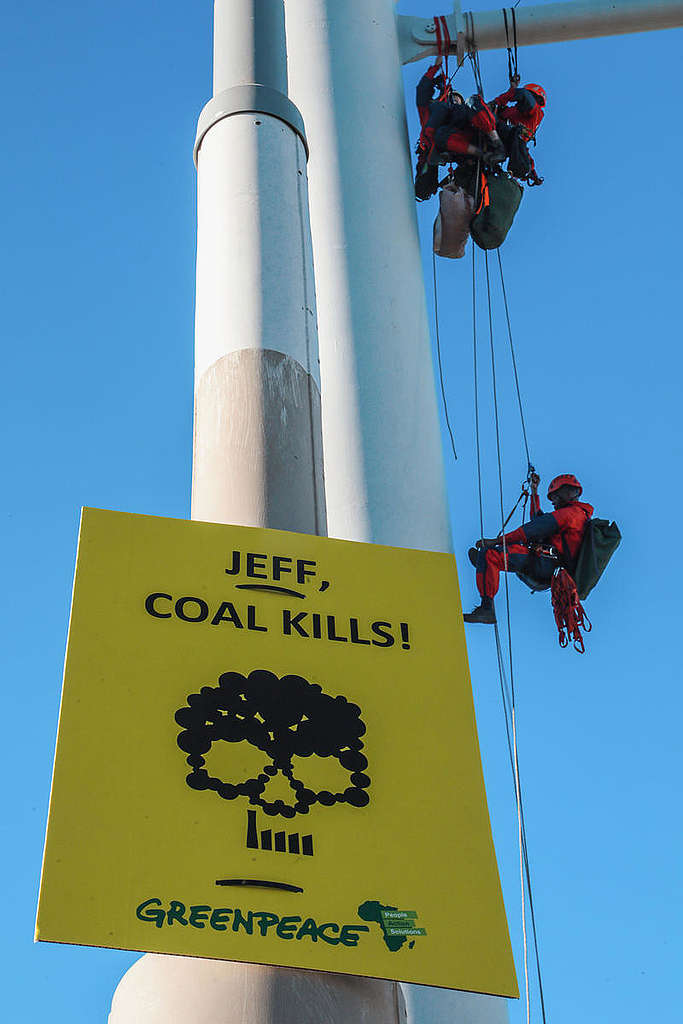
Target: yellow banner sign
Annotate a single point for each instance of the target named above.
(267, 752)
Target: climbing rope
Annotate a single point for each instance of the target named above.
(473, 55)
(507, 688)
(472, 51)
(514, 364)
(476, 392)
(507, 691)
(523, 498)
(509, 704)
(438, 354)
(504, 689)
(518, 792)
(512, 51)
(443, 47)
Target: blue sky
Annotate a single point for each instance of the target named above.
(98, 288)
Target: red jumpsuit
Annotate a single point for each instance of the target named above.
(518, 124)
(527, 548)
(530, 120)
(456, 136)
(456, 124)
(426, 106)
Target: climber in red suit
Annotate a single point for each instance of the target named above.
(528, 106)
(519, 113)
(450, 125)
(548, 541)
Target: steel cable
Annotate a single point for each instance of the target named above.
(438, 355)
(504, 690)
(507, 610)
(507, 689)
(514, 360)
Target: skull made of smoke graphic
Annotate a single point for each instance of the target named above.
(285, 717)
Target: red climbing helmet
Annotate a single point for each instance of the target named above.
(564, 479)
(537, 90)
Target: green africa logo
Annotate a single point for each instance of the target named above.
(396, 925)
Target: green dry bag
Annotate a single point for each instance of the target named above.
(600, 541)
(500, 202)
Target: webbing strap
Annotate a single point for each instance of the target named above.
(512, 57)
(443, 39)
(484, 197)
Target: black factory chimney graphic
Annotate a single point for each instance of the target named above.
(280, 842)
(289, 719)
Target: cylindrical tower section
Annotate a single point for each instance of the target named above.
(249, 45)
(383, 456)
(180, 990)
(257, 443)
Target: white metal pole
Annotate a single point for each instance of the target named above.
(383, 459)
(543, 23)
(384, 478)
(258, 446)
(257, 452)
(183, 990)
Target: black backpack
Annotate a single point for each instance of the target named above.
(600, 540)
